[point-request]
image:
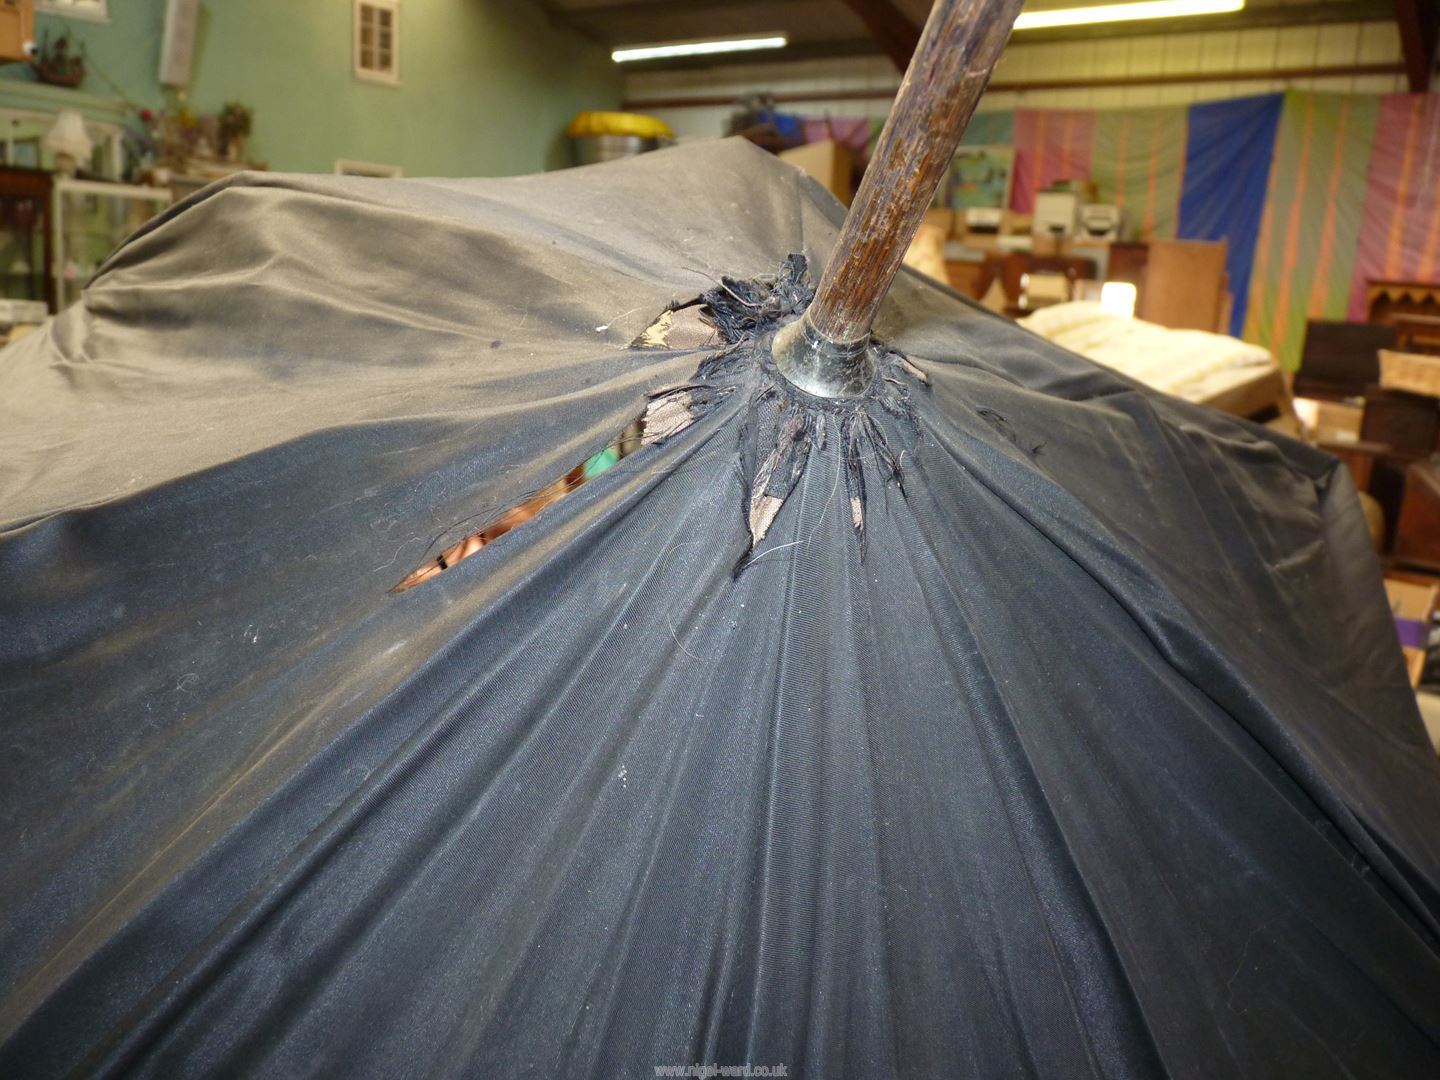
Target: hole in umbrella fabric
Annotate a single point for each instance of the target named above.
(627, 442)
(783, 425)
(667, 414)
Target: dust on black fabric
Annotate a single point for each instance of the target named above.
(1099, 760)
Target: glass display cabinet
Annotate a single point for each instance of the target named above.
(25, 240)
(91, 219)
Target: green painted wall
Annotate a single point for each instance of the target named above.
(487, 86)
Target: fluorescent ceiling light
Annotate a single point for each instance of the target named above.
(698, 48)
(1142, 9)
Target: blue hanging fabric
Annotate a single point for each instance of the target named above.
(1227, 169)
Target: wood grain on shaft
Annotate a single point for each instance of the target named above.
(957, 52)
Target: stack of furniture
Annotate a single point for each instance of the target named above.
(1180, 284)
(55, 229)
(1392, 451)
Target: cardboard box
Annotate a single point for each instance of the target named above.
(1414, 373)
(927, 251)
(1336, 421)
(1329, 423)
(1413, 597)
(944, 220)
(1049, 244)
(1430, 713)
(827, 161)
(1413, 602)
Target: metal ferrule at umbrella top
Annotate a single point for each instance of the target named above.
(828, 351)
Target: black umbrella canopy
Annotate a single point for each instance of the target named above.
(1090, 753)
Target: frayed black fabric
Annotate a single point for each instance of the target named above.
(1099, 760)
(784, 424)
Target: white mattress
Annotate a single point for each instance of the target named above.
(1185, 363)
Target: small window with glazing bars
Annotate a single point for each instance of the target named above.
(377, 40)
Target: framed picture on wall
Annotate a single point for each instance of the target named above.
(979, 176)
(23, 153)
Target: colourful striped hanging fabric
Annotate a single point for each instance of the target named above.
(1310, 230)
(1050, 145)
(1400, 240)
(1139, 165)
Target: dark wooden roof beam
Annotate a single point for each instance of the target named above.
(891, 28)
(1419, 21)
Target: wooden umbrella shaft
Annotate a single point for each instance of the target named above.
(958, 51)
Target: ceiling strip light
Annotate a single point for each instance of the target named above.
(698, 48)
(1105, 13)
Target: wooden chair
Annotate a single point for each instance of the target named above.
(1340, 359)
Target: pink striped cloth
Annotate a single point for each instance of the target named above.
(1050, 145)
(1400, 239)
